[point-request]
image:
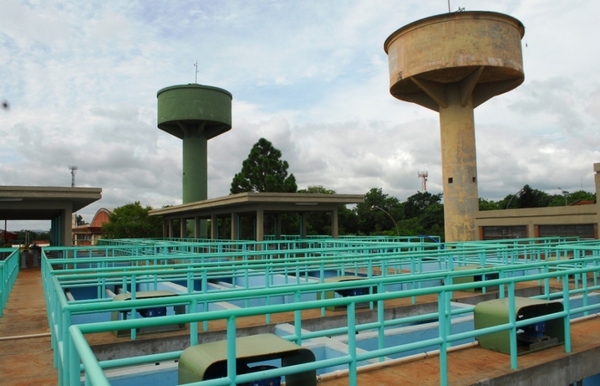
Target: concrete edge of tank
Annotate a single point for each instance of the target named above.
(192, 86)
(453, 16)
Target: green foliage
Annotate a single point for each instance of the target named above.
(532, 198)
(132, 221)
(487, 205)
(264, 171)
(416, 204)
(319, 223)
(581, 195)
(376, 213)
(26, 237)
(572, 198)
(528, 197)
(347, 221)
(317, 189)
(421, 213)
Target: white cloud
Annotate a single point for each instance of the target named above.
(310, 76)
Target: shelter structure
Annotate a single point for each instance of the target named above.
(257, 206)
(56, 204)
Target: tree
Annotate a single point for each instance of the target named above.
(132, 221)
(572, 198)
(376, 220)
(532, 198)
(264, 171)
(416, 204)
(425, 214)
(487, 204)
(79, 220)
(319, 223)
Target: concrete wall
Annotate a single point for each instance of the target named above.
(532, 218)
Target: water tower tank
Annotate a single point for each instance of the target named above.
(452, 63)
(194, 113)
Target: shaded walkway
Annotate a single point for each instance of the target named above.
(25, 354)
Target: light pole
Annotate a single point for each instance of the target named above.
(565, 193)
(513, 196)
(373, 207)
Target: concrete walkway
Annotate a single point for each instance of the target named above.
(25, 355)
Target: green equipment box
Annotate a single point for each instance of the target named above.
(530, 338)
(209, 360)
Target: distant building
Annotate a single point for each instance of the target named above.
(8, 238)
(89, 234)
(580, 219)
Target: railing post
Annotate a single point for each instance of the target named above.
(567, 317)
(231, 349)
(63, 360)
(193, 325)
(512, 319)
(442, 331)
(353, 365)
(72, 362)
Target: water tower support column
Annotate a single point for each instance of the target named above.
(459, 165)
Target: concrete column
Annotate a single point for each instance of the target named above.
(182, 227)
(214, 227)
(303, 225)
(459, 166)
(260, 224)
(170, 227)
(531, 229)
(334, 224)
(235, 220)
(197, 227)
(67, 232)
(278, 227)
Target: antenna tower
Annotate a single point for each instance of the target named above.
(73, 172)
(423, 176)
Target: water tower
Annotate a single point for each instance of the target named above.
(452, 63)
(194, 113)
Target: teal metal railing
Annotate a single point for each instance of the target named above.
(68, 339)
(445, 338)
(9, 270)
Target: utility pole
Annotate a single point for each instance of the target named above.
(423, 176)
(73, 172)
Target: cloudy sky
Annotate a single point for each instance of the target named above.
(311, 76)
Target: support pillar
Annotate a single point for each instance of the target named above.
(214, 227)
(235, 226)
(182, 227)
(260, 224)
(334, 223)
(459, 166)
(278, 227)
(170, 228)
(303, 225)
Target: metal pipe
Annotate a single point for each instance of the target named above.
(373, 207)
(42, 335)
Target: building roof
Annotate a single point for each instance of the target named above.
(270, 203)
(43, 202)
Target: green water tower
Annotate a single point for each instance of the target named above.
(194, 113)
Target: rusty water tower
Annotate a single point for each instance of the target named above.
(194, 113)
(452, 63)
